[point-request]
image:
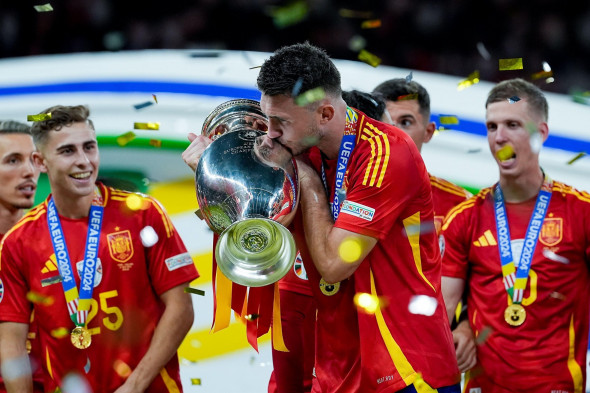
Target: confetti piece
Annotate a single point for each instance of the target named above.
(476, 150)
(483, 51)
(194, 291)
(196, 381)
(409, 78)
(582, 97)
(350, 250)
(408, 97)
(155, 143)
(367, 302)
(199, 214)
(60, 332)
(38, 298)
(542, 74)
(44, 8)
(251, 68)
(369, 58)
(371, 24)
(122, 368)
(148, 236)
(86, 370)
(483, 335)
(577, 157)
(510, 64)
(39, 117)
(310, 96)
(290, 14)
(143, 105)
(472, 79)
(448, 119)
(357, 43)
(146, 126)
(513, 99)
(51, 280)
(155, 98)
(547, 253)
(347, 13)
(124, 139)
(505, 153)
(422, 305)
(297, 87)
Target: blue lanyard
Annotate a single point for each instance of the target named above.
(515, 279)
(78, 305)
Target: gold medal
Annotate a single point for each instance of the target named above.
(81, 337)
(514, 315)
(329, 289)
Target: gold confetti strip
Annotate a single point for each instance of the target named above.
(194, 290)
(39, 117)
(124, 139)
(448, 119)
(369, 58)
(510, 64)
(155, 98)
(51, 280)
(44, 8)
(408, 97)
(577, 157)
(290, 14)
(542, 74)
(346, 13)
(196, 381)
(146, 126)
(155, 143)
(371, 24)
(505, 153)
(310, 96)
(251, 68)
(38, 298)
(60, 332)
(472, 79)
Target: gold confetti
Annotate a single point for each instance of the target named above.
(146, 126)
(38, 298)
(505, 153)
(310, 96)
(510, 64)
(39, 117)
(290, 14)
(122, 368)
(577, 157)
(44, 8)
(60, 332)
(483, 335)
(196, 381)
(367, 302)
(155, 143)
(371, 24)
(194, 290)
(155, 98)
(124, 139)
(346, 13)
(369, 58)
(472, 79)
(350, 250)
(251, 68)
(408, 97)
(542, 74)
(448, 119)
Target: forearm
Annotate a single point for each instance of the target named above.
(168, 335)
(452, 290)
(14, 360)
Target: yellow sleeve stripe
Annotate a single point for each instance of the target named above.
(122, 197)
(448, 187)
(379, 155)
(455, 211)
(582, 196)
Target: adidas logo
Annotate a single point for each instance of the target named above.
(50, 265)
(487, 239)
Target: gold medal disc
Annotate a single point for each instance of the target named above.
(81, 337)
(329, 289)
(514, 315)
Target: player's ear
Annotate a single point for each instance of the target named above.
(39, 161)
(430, 128)
(326, 113)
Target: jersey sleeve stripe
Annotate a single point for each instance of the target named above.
(412, 227)
(169, 382)
(377, 166)
(378, 161)
(164, 216)
(370, 164)
(572, 364)
(385, 158)
(448, 188)
(400, 362)
(455, 211)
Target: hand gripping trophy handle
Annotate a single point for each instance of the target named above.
(246, 199)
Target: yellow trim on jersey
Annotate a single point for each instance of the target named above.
(572, 365)
(122, 196)
(456, 210)
(412, 226)
(48, 361)
(169, 382)
(165, 218)
(583, 196)
(448, 187)
(372, 134)
(400, 362)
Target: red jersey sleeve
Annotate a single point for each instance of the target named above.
(14, 306)
(381, 181)
(169, 262)
(456, 240)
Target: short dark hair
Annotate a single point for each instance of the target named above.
(524, 90)
(369, 104)
(14, 127)
(296, 64)
(393, 89)
(61, 116)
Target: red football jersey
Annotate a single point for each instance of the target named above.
(388, 197)
(296, 278)
(125, 307)
(445, 196)
(547, 353)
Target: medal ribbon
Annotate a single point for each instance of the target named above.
(515, 280)
(78, 303)
(346, 147)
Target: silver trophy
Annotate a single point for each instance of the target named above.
(247, 196)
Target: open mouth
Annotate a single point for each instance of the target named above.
(28, 189)
(81, 175)
(506, 154)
